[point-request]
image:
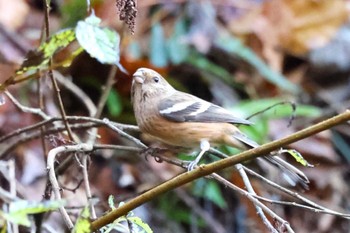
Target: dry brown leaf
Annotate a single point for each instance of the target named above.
(294, 25)
(314, 23)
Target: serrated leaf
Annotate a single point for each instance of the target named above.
(19, 210)
(101, 43)
(83, 224)
(158, 54)
(297, 156)
(114, 103)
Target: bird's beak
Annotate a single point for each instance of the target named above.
(138, 76)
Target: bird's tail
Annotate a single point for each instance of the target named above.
(292, 174)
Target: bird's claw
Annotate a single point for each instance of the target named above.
(192, 165)
(154, 152)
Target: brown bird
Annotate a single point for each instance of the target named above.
(182, 120)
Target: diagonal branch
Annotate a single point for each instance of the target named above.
(205, 170)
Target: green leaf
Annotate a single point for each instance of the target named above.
(114, 103)
(39, 58)
(210, 190)
(158, 54)
(60, 40)
(138, 221)
(276, 109)
(207, 66)
(298, 157)
(233, 45)
(72, 11)
(83, 224)
(100, 42)
(211, 71)
(250, 107)
(257, 132)
(19, 210)
(111, 202)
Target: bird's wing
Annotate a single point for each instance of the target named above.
(183, 107)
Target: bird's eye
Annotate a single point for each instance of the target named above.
(156, 79)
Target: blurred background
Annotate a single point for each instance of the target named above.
(243, 55)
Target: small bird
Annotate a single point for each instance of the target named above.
(181, 120)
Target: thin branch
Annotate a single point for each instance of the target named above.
(50, 73)
(317, 207)
(116, 147)
(251, 191)
(52, 175)
(35, 111)
(250, 194)
(294, 204)
(93, 135)
(97, 122)
(123, 134)
(205, 170)
(79, 93)
(253, 199)
(42, 107)
(87, 187)
(6, 148)
(106, 91)
(292, 105)
(85, 99)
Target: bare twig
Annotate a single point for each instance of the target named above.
(251, 191)
(250, 194)
(50, 73)
(74, 89)
(255, 201)
(85, 99)
(97, 122)
(293, 106)
(35, 111)
(42, 107)
(123, 134)
(6, 148)
(106, 91)
(52, 176)
(316, 207)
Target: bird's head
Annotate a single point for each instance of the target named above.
(151, 82)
